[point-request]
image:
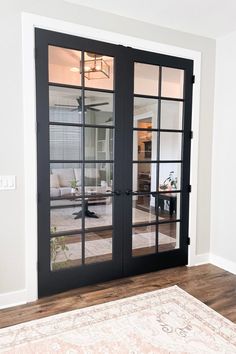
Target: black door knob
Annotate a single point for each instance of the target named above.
(117, 192)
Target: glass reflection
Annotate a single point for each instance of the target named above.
(98, 246)
(146, 79)
(65, 105)
(66, 252)
(168, 236)
(143, 240)
(144, 177)
(98, 71)
(170, 146)
(144, 145)
(99, 108)
(171, 115)
(145, 113)
(64, 65)
(172, 83)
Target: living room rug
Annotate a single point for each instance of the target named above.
(163, 321)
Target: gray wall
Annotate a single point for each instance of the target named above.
(223, 240)
(12, 275)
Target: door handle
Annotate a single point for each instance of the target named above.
(117, 192)
(128, 192)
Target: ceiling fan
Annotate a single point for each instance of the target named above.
(78, 107)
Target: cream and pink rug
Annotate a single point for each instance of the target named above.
(163, 321)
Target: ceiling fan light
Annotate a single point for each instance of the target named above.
(96, 68)
(75, 69)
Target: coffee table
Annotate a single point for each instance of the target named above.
(87, 212)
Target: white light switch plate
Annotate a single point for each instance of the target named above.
(7, 182)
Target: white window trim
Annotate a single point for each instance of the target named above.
(29, 22)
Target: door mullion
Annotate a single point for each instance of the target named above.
(83, 157)
(158, 157)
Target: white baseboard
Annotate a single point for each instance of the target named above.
(223, 263)
(200, 259)
(13, 298)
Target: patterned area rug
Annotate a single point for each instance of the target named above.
(162, 321)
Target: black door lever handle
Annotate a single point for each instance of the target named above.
(128, 192)
(117, 192)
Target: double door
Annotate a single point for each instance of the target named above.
(114, 128)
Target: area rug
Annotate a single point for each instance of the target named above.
(163, 321)
(63, 219)
(102, 246)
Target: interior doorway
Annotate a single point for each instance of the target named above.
(114, 129)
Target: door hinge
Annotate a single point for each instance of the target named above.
(189, 188)
(191, 134)
(35, 53)
(188, 240)
(38, 197)
(193, 79)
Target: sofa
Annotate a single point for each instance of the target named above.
(61, 178)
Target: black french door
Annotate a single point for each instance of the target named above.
(113, 139)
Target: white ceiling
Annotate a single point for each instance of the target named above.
(209, 18)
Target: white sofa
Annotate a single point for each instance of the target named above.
(61, 178)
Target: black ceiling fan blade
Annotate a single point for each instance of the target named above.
(65, 105)
(96, 104)
(93, 109)
(79, 101)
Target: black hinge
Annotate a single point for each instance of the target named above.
(38, 197)
(193, 79)
(188, 240)
(35, 53)
(191, 134)
(189, 188)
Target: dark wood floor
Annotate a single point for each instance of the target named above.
(213, 286)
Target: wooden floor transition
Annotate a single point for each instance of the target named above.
(211, 285)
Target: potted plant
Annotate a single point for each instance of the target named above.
(74, 186)
(170, 182)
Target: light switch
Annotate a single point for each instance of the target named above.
(7, 182)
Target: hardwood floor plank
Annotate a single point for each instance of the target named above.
(211, 285)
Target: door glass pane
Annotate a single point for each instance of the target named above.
(171, 115)
(64, 66)
(144, 210)
(170, 146)
(143, 240)
(65, 143)
(98, 144)
(169, 176)
(168, 236)
(98, 246)
(98, 177)
(145, 113)
(146, 79)
(144, 145)
(64, 219)
(66, 252)
(65, 105)
(64, 179)
(172, 82)
(168, 206)
(98, 211)
(144, 177)
(98, 71)
(99, 108)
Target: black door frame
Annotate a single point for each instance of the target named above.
(122, 264)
